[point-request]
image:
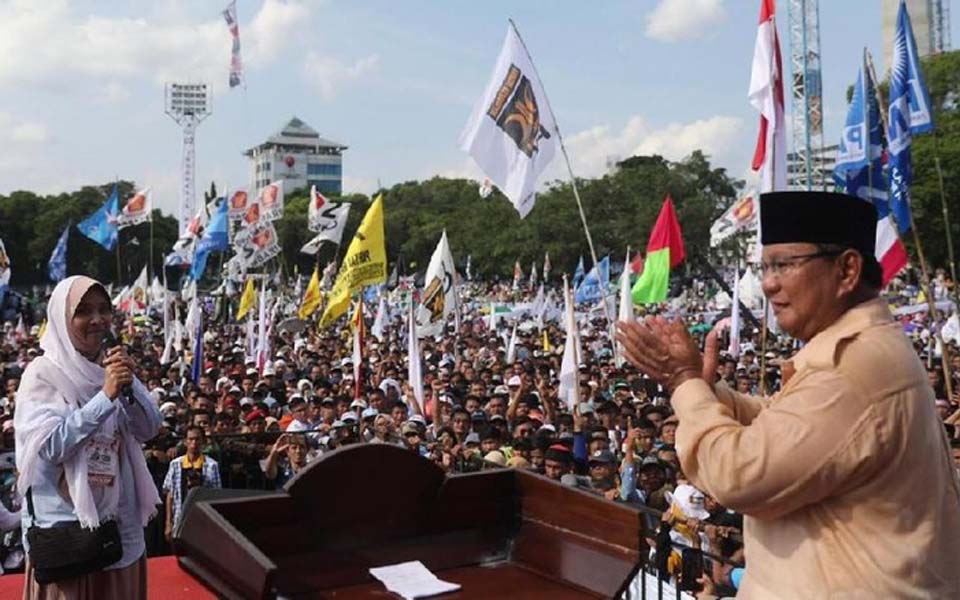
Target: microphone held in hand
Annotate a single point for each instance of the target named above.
(111, 341)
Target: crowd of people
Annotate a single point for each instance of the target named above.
(239, 423)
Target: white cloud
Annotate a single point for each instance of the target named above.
(114, 93)
(49, 44)
(677, 20)
(329, 74)
(30, 132)
(593, 150)
(18, 133)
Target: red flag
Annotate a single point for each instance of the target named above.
(666, 233)
(636, 265)
(766, 95)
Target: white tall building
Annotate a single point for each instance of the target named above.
(826, 160)
(300, 157)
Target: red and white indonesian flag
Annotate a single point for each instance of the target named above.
(511, 133)
(766, 95)
(136, 210)
(890, 251)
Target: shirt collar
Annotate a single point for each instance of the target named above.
(197, 464)
(821, 350)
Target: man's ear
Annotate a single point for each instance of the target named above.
(850, 263)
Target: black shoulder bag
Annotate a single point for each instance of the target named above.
(67, 550)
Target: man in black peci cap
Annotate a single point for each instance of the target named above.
(827, 471)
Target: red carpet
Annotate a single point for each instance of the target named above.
(165, 581)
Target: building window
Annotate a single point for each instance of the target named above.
(323, 169)
(326, 186)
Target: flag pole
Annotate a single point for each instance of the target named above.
(924, 269)
(118, 258)
(573, 180)
(150, 261)
(116, 182)
(946, 218)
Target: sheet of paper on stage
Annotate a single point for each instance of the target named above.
(412, 580)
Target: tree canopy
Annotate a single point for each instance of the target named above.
(620, 208)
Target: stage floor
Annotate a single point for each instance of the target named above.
(165, 581)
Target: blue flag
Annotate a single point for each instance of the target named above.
(863, 125)
(215, 238)
(578, 274)
(593, 288)
(101, 226)
(57, 265)
(197, 369)
(909, 114)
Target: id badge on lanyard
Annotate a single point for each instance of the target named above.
(102, 460)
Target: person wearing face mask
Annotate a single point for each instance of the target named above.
(79, 437)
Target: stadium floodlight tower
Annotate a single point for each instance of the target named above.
(188, 104)
(806, 91)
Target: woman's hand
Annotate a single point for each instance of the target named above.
(118, 369)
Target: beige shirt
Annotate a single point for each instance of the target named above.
(845, 476)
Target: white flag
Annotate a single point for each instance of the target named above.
(512, 134)
(271, 201)
(439, 298)
(139, 293)
(414, 374)
(380, 321)
(327, 218)
(158, 292)
(571, 355)
(262, 329)
(237, 203)
(512, 346)
(193, 318)
(136, 210)
(168, 329)
(626, 305)
(742, 215)
(4, 266)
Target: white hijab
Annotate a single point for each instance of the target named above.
(53, 386)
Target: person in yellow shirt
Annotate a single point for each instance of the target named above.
(845, 475)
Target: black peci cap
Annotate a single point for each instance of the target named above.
(818, 218)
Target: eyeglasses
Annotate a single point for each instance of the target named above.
(788, 264)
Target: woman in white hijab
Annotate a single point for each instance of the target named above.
(79, 440)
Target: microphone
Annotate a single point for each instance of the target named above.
(111, 341)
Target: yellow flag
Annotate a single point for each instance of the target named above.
(364, 264)
(546, 342)
(246, 300)
(312, 297)
(43, 329)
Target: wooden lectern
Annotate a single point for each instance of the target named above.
(500, 533)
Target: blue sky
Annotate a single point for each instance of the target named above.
(394, 80)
